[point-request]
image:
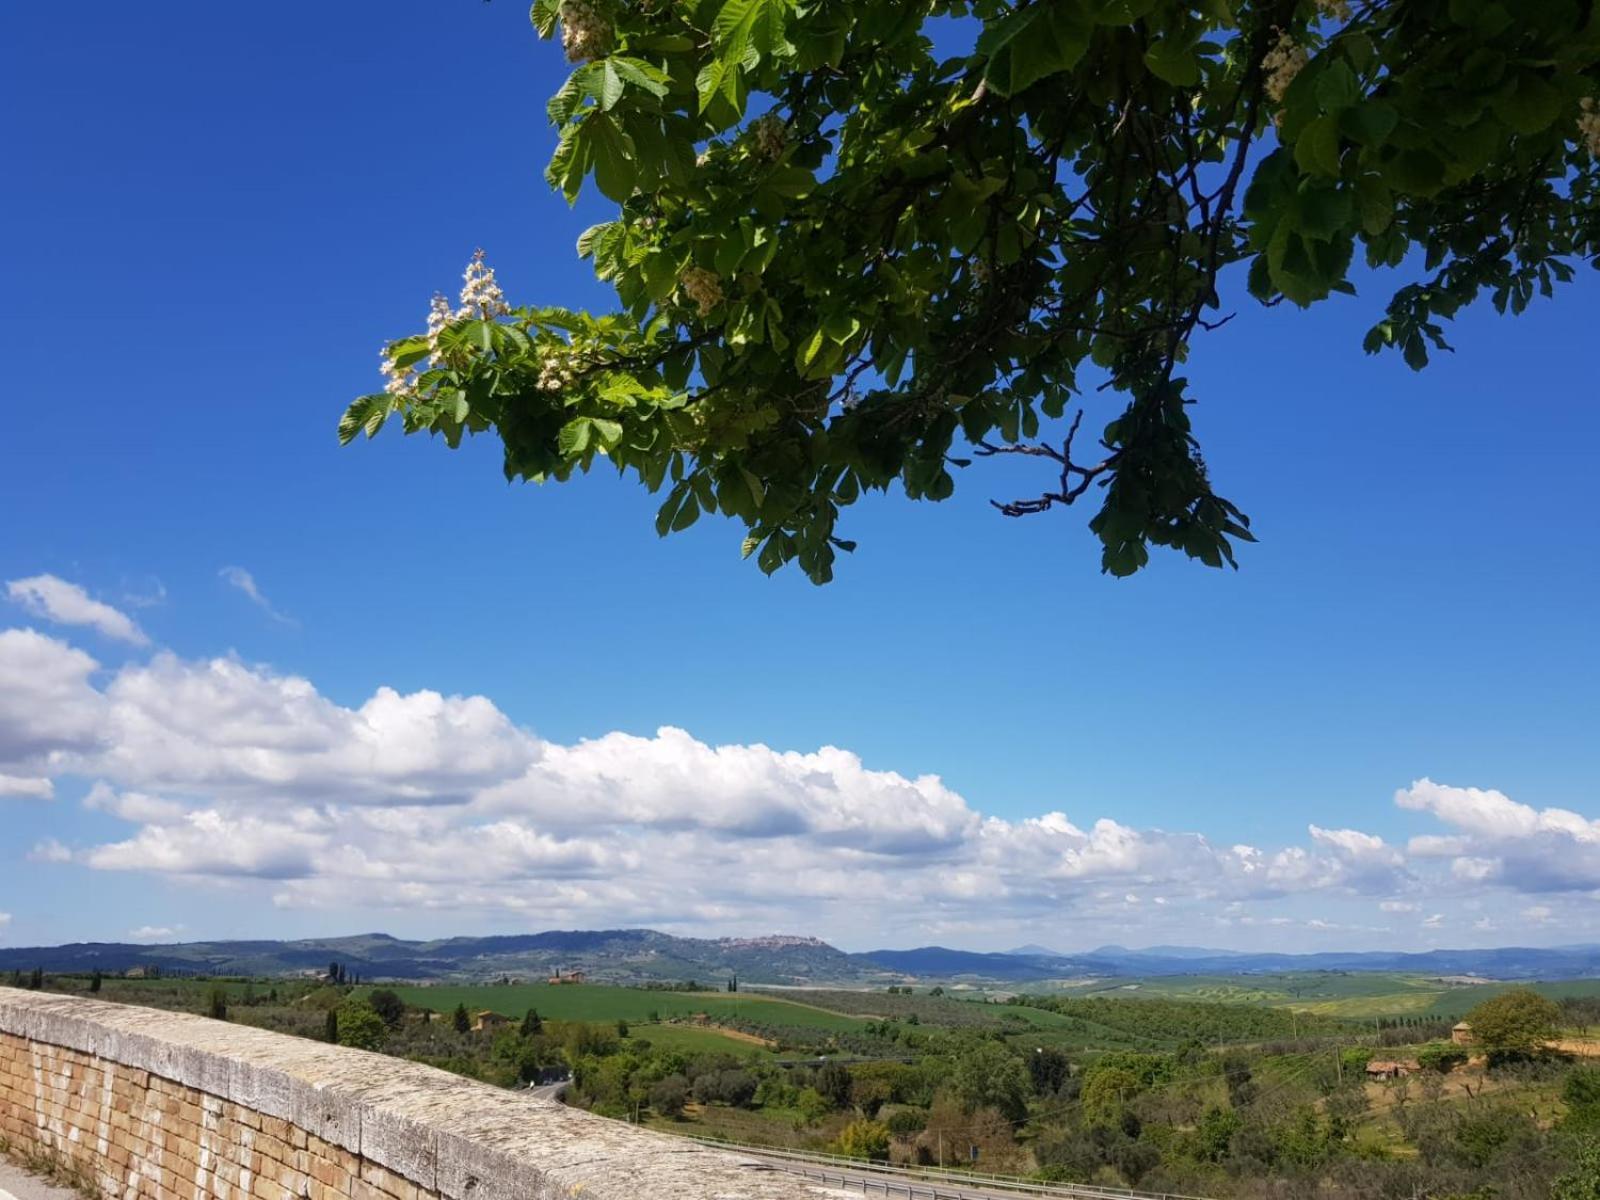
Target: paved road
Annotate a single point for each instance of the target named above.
(887, 1184)
(17, 1184)
(551, 1091)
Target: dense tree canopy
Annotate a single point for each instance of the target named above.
(1518, 1023)
(867, 241)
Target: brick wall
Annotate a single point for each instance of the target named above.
(137, 1135)
(152, 1105)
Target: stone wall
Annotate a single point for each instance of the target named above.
(152, 1105)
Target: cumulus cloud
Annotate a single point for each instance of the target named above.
(230, 772)
(1498, 839)
(245, 582)
(48, 706)
(26, 786)
(5, 919)
(65, 603)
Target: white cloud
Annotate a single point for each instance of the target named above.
(48, 706)
(154, 933)
(1537, 913)
(68, 604)
(1501, 840)
(26, 786)
(5, 918)
(239, 578)
(225, 771)
(152, 594)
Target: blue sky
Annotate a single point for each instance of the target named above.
(213, 218)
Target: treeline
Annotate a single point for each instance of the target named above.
(1176, 1021)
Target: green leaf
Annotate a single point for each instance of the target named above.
(1174, 62)
(1375, 203)
(597, 239)
(1370, 123)
(742, 26)
(611, 154)
(806, 352)
(1415, 172)
(610, 432)
(640, 74)
(1529, 105)
(365, 415)
(573, 439)
(1337, 88)
(1032, 43)
(544, 15)
(1317, 150)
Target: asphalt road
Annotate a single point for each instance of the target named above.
(894, 1187)
(551, 1091)
(17, 1184)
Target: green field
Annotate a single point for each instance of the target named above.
(599, 1002)
(1354, 996)
(692, 1039)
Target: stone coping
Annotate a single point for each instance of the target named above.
(460, 1138)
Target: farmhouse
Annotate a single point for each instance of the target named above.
(487, 1021)
(1461, 1034)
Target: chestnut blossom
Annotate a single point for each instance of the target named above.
(585, 31)
(481, 296)
(396, 382)
(439, 316)
(1282, 63)
(770, 136)
(557, 370)
(1589, 125)
(703, 287)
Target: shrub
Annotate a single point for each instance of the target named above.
(387, 1005)
(865, 1139)
(668, 1096)
(360, 1026)
(906, 1121)
(1441, 1057)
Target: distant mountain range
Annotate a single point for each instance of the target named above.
(642, 955)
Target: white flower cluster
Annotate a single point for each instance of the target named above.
(585, 31)
(1589, 125)
(481, 296)
(557, 370)
(1282, 63)
(395, 381)
(439, 316)
(703, 287)
(1338, 10)
(481, 299)
(770, 137)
